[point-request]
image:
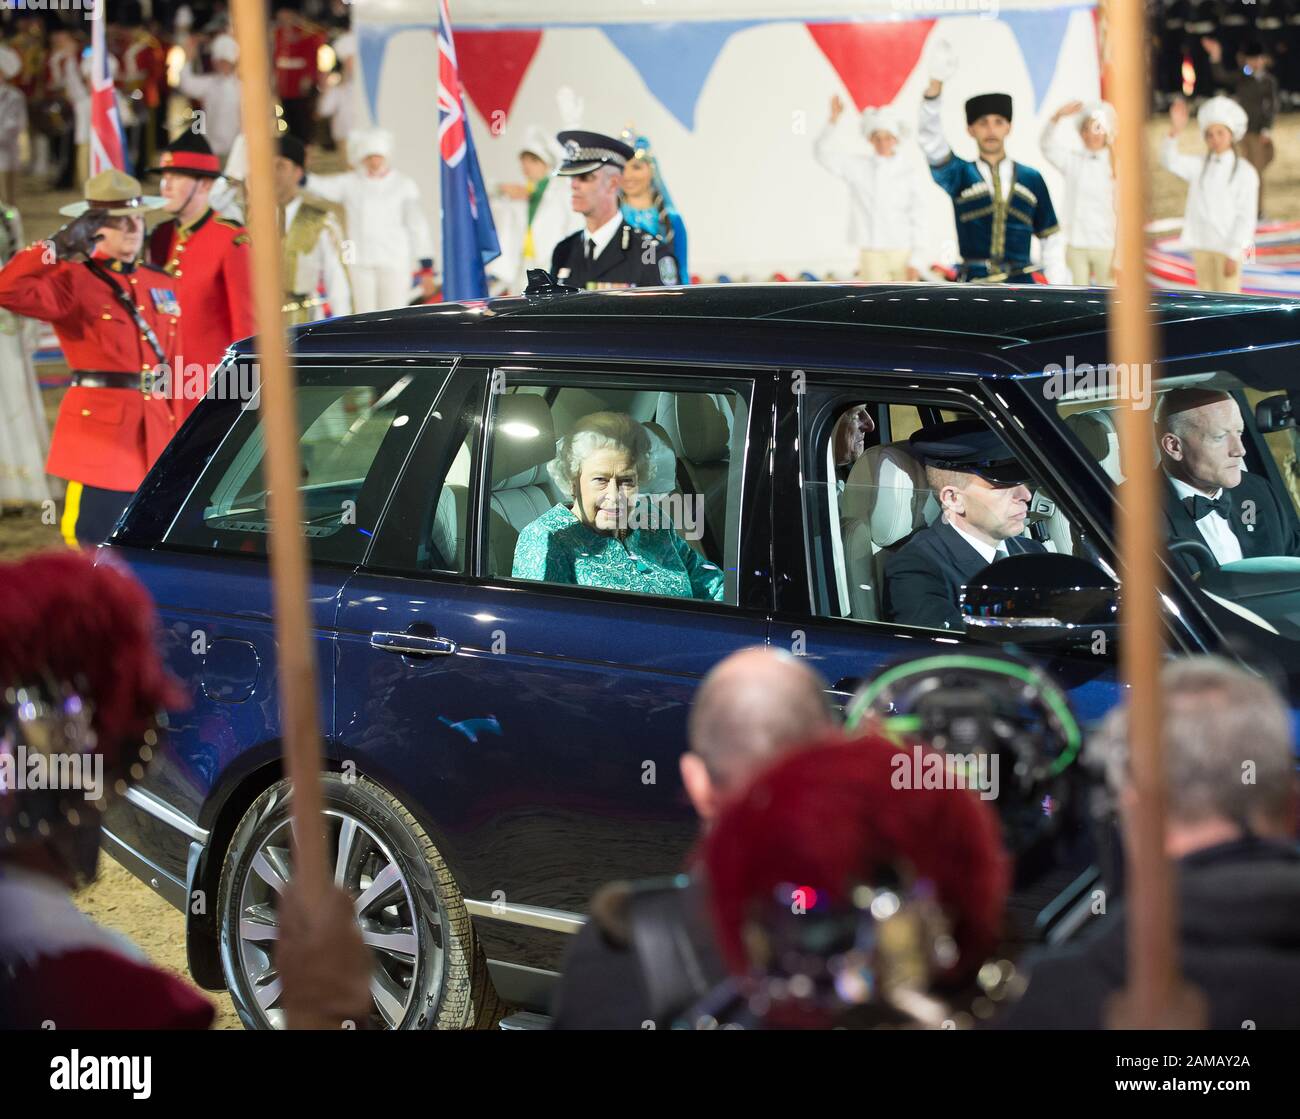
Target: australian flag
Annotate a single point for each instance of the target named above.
(469, 237)
(107, 144)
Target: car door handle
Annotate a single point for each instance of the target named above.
(413, 645)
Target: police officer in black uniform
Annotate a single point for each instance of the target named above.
(608, 253)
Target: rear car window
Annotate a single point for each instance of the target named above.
(355, 427)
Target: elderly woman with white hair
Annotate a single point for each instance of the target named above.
(886, 190)
(1222, 192)
(385, 221)
(600, 540)
(1089, 171)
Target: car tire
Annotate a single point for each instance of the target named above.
(430, 971)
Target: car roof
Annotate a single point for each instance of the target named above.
(1009, 326)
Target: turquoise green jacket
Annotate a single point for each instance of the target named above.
(559, 548)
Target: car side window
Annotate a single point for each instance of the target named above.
(620, 485)
(867, 496)
(355, 425)
(426, 527)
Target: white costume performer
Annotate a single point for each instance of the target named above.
(1089, 213)
(1222, 198)
(886, 193)
(24, 431)
(219, 94)
(530, 242)
(385, 224)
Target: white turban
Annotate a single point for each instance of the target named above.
(369, 141)
(883, 120)
(1102, 111)
(224, 49)
(1224, 111)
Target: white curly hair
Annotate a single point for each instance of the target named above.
(599, 431)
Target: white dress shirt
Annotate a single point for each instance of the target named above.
(990, 552)
(1222, 199)
(220, 96)
(1215, 529)
(602, 236)
(932, 142)
(1089, 213)
(886, 196)
(386, 225)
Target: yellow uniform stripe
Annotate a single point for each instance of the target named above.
(71, 511)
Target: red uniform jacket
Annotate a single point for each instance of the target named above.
(106, 437)
(295, 64)
(211, 262)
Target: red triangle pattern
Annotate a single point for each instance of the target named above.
(873, 60)
(492, 67)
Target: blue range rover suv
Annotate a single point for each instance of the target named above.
(499, 747)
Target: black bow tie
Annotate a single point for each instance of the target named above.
(1199, 506)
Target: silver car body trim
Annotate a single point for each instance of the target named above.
(534, 916)
(167, 814)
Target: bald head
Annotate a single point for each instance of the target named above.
(754, 705)
(1199, 432)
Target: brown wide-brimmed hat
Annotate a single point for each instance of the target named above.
(115, 192)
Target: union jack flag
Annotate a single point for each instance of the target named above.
(107, 142)
(469, 237)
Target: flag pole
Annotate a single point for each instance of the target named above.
(300, 728)
(1155, 997)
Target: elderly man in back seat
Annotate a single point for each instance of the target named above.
(603, 539)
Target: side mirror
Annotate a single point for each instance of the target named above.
(1041, 599)
(1275, 413)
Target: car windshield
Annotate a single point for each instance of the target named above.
(1227, 452)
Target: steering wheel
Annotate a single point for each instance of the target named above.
(1197, 546)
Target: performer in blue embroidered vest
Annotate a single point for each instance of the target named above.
(1000, 205)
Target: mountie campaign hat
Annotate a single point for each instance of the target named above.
(114, 192)
(191, 154)
(984, 103)
(969, 447)
(589, 151)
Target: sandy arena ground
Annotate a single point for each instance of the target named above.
(120, 901)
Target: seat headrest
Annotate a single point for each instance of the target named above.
(1092, 431)
(662, 475)
(703, 434)
(886, 490)
(523, 438)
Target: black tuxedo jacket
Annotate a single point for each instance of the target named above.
(925, 576)
(1256, 517)
(621, 262)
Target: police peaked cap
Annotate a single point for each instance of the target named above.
(968, 447)
(588, 151)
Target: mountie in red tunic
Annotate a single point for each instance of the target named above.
(104, 436)
(210, 260)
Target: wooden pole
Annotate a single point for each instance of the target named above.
(297, 664)
(1154, 998)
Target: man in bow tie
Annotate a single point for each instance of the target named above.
(1215, 502)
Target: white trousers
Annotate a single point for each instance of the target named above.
(379, 289)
